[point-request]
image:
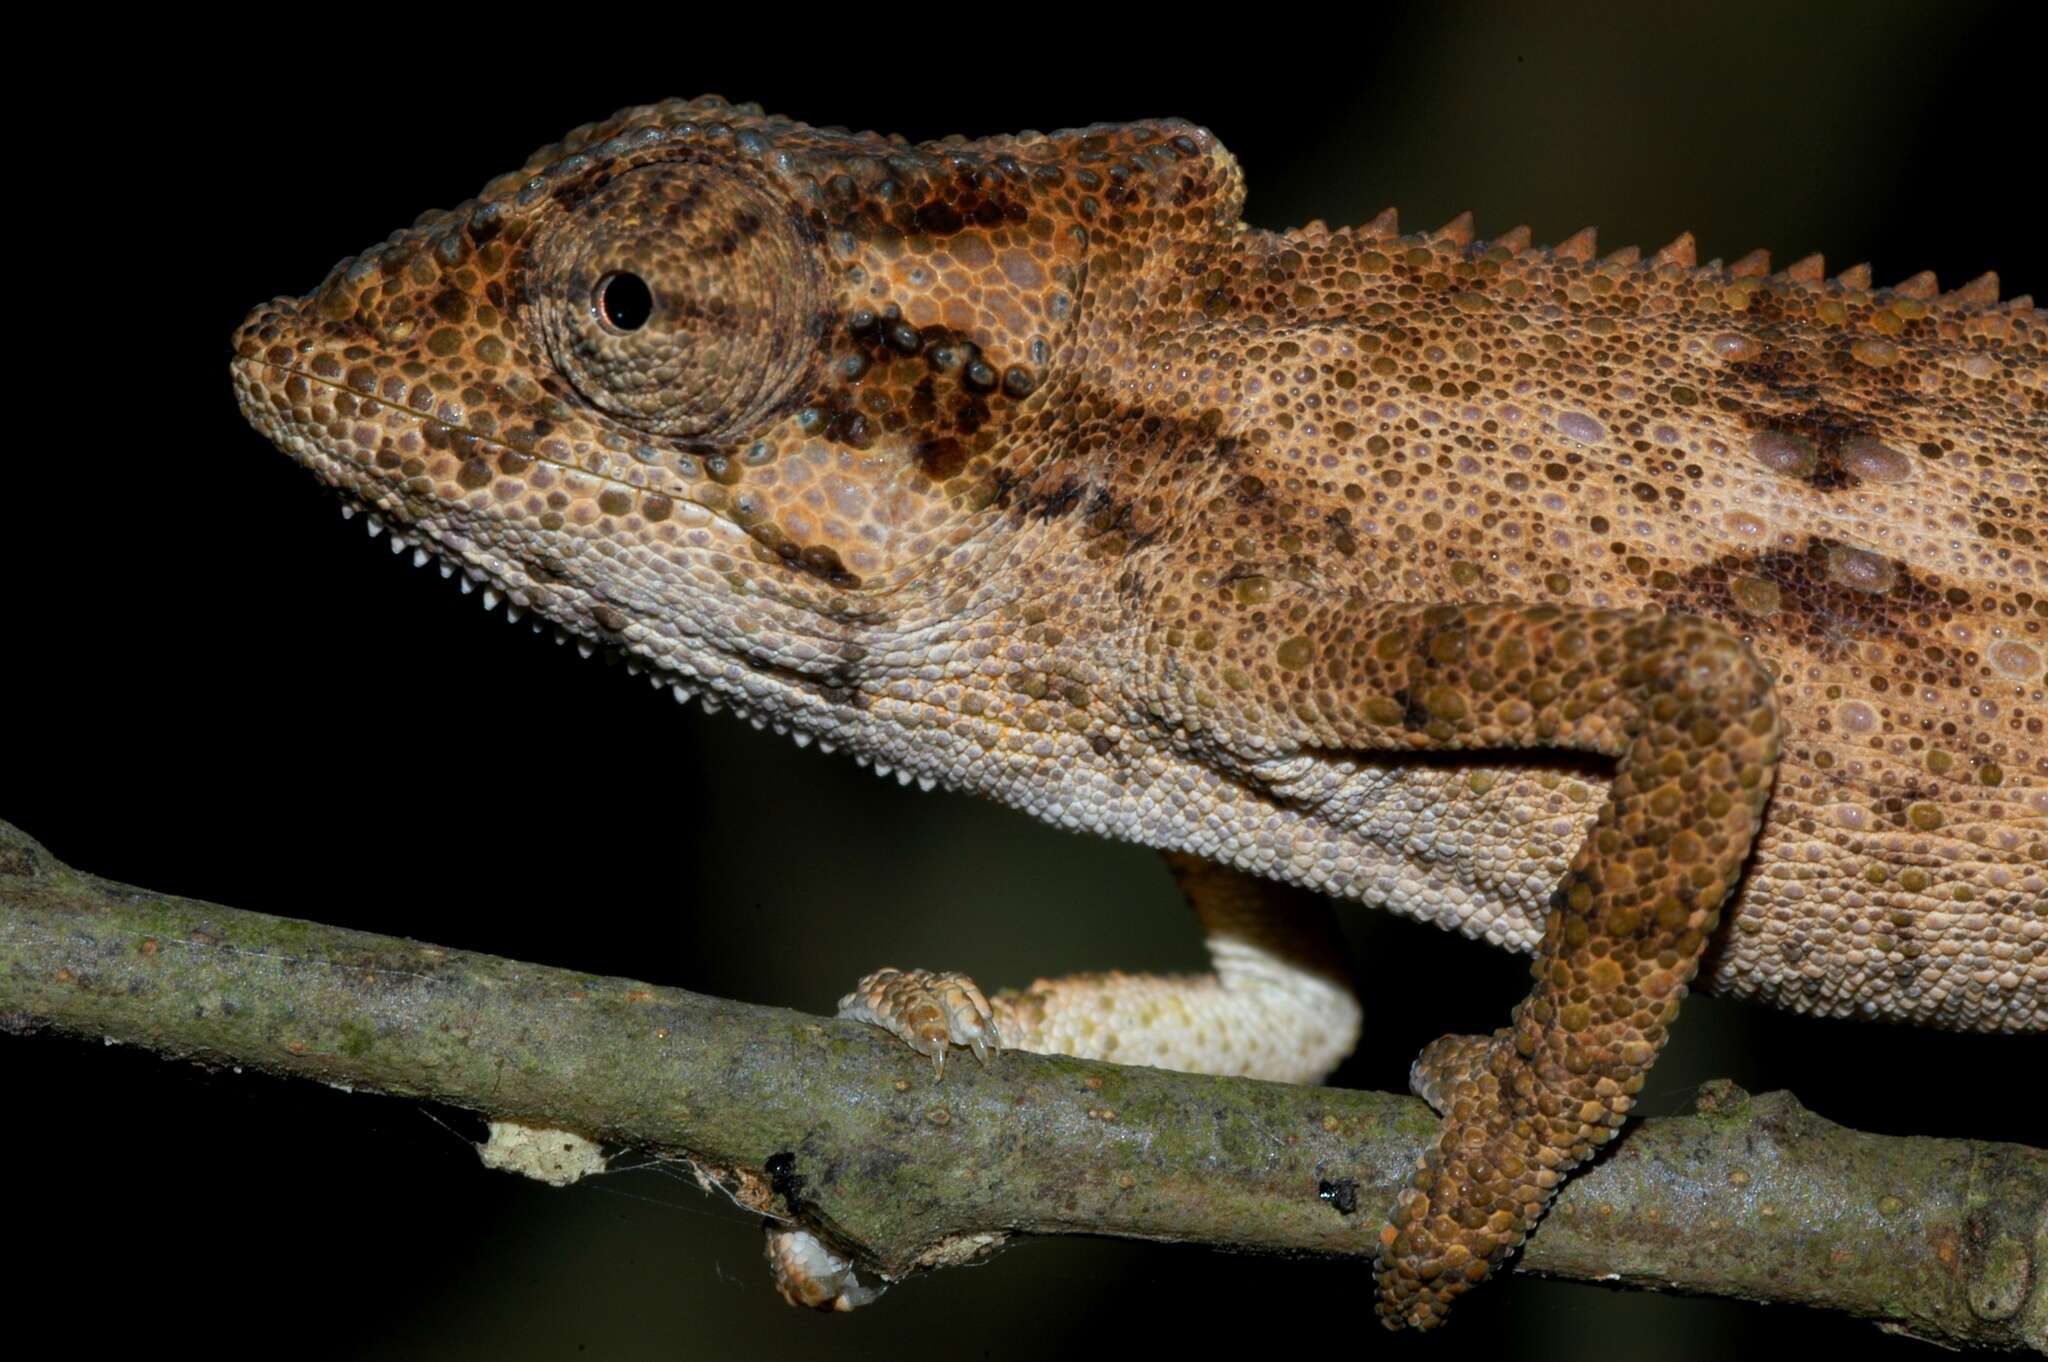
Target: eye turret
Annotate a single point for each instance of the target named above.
(680, 299)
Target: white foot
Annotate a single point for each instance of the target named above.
(930, 1011)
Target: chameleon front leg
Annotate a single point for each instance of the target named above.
(1687, 714)
(1277, 1004)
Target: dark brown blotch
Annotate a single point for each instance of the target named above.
(1825, 596)
(1821, 446)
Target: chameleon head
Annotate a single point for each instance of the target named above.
(715, 387)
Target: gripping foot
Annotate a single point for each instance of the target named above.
(930, 1011)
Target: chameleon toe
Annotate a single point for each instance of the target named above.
(1444, 1064)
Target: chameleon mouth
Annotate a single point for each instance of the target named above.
(280, 372)
(344, 449)
(260, 383)
(368, 445)
(300, 438)
(275, 399)
(272, 397)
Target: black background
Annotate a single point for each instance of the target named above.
(208, 671)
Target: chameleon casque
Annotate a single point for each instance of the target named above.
(1024, 467)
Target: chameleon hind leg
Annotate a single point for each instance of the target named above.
(1277, 1004)
(1687, 714)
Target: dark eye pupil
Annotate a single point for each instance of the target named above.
(625, 301)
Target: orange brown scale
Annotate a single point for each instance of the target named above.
(1022, 465)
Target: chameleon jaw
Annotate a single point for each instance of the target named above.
(432, 539)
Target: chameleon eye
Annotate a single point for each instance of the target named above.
(624, 301)
(679, 298)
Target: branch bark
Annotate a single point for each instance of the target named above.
(1749, 1197)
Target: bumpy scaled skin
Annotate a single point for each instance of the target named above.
(1023, 466)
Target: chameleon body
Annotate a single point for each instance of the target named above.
(1683, 625)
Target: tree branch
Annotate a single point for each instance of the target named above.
(1760, 1199)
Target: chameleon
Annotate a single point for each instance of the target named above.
(1677, 624)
